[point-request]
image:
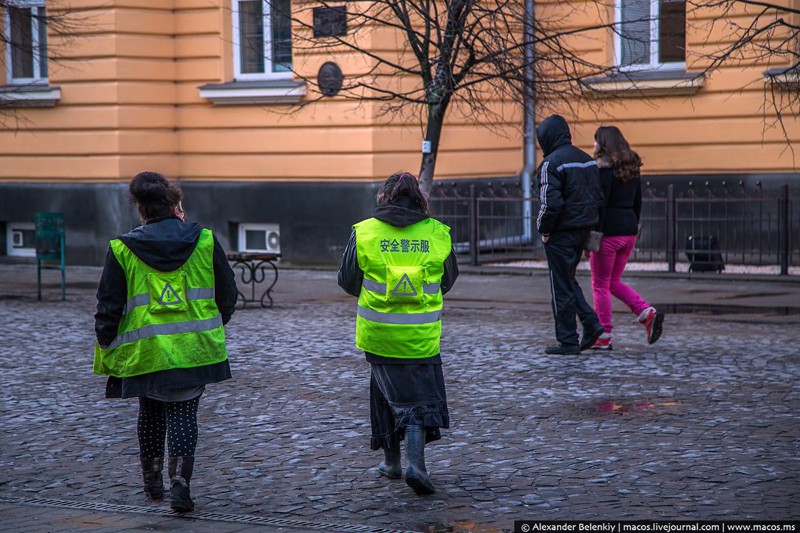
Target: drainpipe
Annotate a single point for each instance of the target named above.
(529, 126)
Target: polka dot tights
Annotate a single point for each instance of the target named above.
(177, 421)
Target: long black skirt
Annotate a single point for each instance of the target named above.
(403, 395)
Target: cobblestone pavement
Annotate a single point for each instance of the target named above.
(705, 424)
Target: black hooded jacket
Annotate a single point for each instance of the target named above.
(568, 181)
(164, 244)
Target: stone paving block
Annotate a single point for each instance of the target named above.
(703, 424)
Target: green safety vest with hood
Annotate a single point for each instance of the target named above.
(400, 302)
(170, 320)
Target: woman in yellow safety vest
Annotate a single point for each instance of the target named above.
(164, 296)
(399, 263)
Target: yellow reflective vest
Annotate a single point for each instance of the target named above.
(400, 303)
(170, 320)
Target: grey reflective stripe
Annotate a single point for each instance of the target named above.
(200, 294)
(380, 288)
(136, 301)
(431, 288)
(577, 165)
(374, 286)
(152, 330)
(400, 318)
(191, 294)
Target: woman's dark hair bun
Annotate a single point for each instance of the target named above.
(154, 195)
(148, 186)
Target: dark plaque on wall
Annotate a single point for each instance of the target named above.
(330, 21)
(330, 78)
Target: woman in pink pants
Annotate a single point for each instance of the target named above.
(619, 222)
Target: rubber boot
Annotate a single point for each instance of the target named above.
(152, 476)
(416, 473)
(180, 473)
(390, 466)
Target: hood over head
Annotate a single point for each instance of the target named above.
(164, 243)
(399, 213)
(553, 133)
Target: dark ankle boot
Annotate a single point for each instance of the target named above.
(152, 476)
(390, 466)
(416, 473)
(180, 472)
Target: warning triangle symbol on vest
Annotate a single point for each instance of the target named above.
(169, 296)
(404, 287)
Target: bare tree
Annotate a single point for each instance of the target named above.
(464, 54)
(769, 35)
(26, 36)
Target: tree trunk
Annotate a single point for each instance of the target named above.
(433, 134)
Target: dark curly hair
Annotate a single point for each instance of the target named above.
(612, 147)
(402, 188)
(154, 195)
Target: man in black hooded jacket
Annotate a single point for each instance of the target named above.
(570, 195)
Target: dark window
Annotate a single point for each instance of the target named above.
(251, 37)
(672, 31)
(638, 20)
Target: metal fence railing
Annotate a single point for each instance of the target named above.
(702, 229)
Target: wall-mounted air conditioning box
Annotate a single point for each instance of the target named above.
(20, 239)
(265, 238)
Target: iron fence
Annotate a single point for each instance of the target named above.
(720, 227)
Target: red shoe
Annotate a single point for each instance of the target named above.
(652, 321)
(603, 343)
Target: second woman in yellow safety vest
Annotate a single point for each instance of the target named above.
(399, 263)
(165, 294)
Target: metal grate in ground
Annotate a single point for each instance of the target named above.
(199, 515)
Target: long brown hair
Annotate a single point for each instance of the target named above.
(612, 147)
(402, 188)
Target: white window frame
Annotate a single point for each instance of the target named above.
(237, 64)
(35, 5)
(18, 252)
(654, 64)
(266, 228)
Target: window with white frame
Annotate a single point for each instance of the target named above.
(262, 39)
(25, 35)
(651, 34)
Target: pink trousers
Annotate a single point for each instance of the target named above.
(607, 266)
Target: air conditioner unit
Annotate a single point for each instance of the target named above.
(20, 239)
(265, 238)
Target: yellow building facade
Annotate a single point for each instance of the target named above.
(210, 93)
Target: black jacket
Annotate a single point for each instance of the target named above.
(568, 181)
(164, 244)
(623, 206)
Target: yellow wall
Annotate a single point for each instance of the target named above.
(728, 126)
(130, 101)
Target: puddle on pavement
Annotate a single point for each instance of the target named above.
(715, 309)
(633, 406)
(461, 526)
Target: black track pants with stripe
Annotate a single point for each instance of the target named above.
(564, 250)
